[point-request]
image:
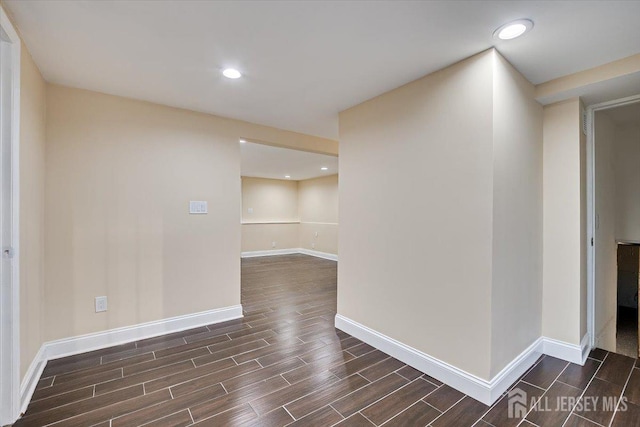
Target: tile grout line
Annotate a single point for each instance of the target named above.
(572, 412)
(543, 394)
(621, 394)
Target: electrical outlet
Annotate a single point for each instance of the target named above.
(101, 304)
(313, 245)
(316, 235)
(273, 244)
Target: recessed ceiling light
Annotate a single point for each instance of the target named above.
(231, 73)
(242, 141)
(324, 168)
(513, 29)
(287, 176)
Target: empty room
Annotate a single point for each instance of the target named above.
(319, 213)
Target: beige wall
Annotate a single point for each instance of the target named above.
(270, 200)
(516, 298)
(120, 174)
(274, 220)
(32, 191)
(606, 255)
(416, 213)
(318, 208)
(289, 214)
(627, 169)
(564, 271)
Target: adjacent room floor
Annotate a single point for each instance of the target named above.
(284, 363)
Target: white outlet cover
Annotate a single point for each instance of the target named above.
(198, 207)
(101, 304)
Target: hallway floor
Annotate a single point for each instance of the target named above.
(284, 363)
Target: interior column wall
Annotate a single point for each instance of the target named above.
(32, 204)
(564, 230)
(416, 214)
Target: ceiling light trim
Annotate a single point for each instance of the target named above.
(514, 29)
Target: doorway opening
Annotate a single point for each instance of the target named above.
(627, 299)
(289, 201)
(614, 223)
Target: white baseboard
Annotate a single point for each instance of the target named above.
(272, 252)
(570, 352)
(485, 391)
(31, 377)
(89, 342)
(317, 254)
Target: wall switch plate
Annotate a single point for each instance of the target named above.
(198, 207)
(316, 235)
(250, 210)
(313, 245)
(101, 304)
(273, 244)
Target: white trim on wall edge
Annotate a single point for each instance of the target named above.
(272, 252)
(95, 341)
(485, 391)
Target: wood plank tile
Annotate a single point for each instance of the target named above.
(76, 384)
(616, 369)
(382, 369)
(599, 401)
(59, 413)
(179, 419)
(64, 378)
(59, 400)
(324, 396)
(276, 418)
(150, 411)
(499, 413)
(214, 377)
(632, 391)
(598, 354)
(398, 401)
(555, 405)
(236, 416)
(545, 372)
(160, 362)
(579, 376)
(294, 392)
(323, 417)
(444, 398)
(628, 417)
(463, 414)
(410, 373)
(231, 400)
(143, 377)
(576, 421)
(417, 415)
(368, 394)
(356, 420)
(261, 374)
(358, 364)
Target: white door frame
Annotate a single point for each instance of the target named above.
(10, 292)
(591, 208)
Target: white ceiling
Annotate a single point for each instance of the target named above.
(627, 114)
(264, 161)
(304, 61)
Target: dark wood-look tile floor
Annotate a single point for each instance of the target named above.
(285, 364)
